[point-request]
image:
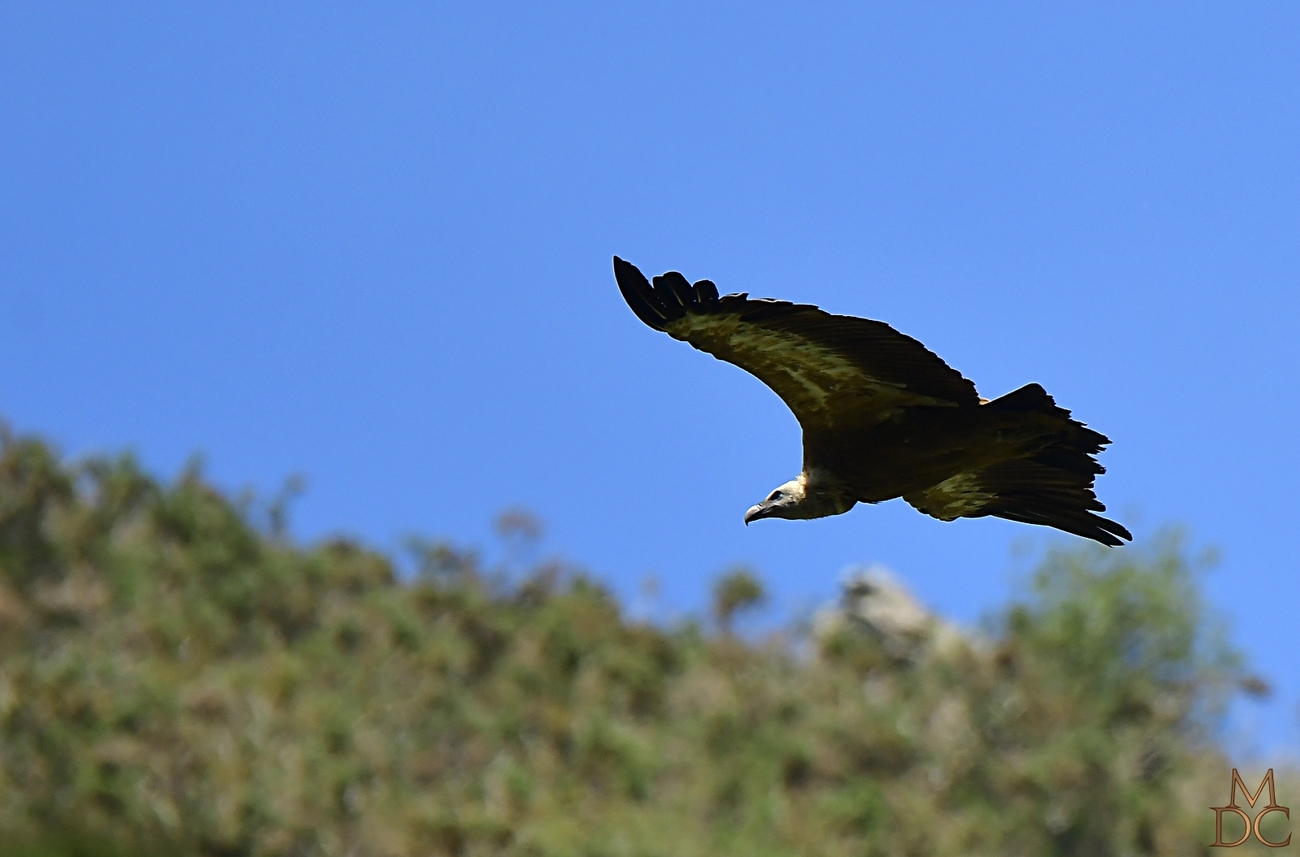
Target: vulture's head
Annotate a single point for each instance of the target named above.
(787, 501)
(812, 495)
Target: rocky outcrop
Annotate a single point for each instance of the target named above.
(874, 602)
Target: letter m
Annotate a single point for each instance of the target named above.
(1251, 798)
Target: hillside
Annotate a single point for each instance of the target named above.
(178, 677)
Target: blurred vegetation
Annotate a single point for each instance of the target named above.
(734, 592)
(177, 677)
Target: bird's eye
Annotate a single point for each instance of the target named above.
(774, 496)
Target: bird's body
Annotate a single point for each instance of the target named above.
(883, 417)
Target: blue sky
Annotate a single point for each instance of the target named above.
(371, 244)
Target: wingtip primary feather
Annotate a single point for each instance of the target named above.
(675, 289)
(639, 294)
(706, 292)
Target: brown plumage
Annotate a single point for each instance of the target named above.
(884, 417)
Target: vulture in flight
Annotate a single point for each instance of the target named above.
(884, 417)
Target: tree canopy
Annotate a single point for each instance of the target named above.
(178, 676)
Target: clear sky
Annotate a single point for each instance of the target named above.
(370, 244)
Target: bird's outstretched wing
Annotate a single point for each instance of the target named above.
(833, 371)
(1029, 491)
(1052, 487)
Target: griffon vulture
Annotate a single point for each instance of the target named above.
(884, 417)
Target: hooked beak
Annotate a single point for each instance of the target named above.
(756, 512)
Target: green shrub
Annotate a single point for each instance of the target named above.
(175, 679)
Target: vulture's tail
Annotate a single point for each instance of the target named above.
(1053, 486)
